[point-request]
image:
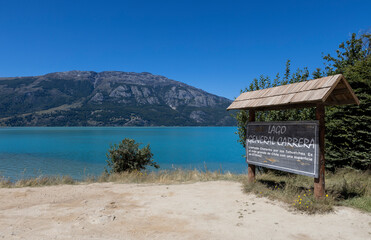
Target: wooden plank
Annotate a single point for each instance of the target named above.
(293, 88)
(278, 90)
(326, 81)
(252, 95)
(288, 106)
(261, 93)
(281, 90)
(255, 102)
(268, 92)
(275, 107)
(317, 94)
(319, 82)
(283, 99)
(268, 101)
(331, 81)
(312, 95)
(242, 96)
(245, 96)
(309, 85)
(300, 97)
(271, 101)
(284, 89)
(338, 79)
(236, 105)
(249, 103)
(265, 92)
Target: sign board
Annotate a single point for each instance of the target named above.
(286, 146)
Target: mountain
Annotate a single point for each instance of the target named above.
(111, 98)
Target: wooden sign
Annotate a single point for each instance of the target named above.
(286, 146)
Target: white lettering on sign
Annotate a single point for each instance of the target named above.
(277, 129)
(282, 141)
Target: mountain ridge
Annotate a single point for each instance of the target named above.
(108, 98)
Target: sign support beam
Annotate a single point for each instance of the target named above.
(251, 168)
(319, 183)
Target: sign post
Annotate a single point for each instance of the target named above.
(290, 150)
(251, 167)
(319, 183)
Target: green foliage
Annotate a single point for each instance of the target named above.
(350, 52)
(76, 89)
(113, 114)
(317, 74)
(49, 94)
(348, 128)
(263, 82)
(128, 157)
(16, 82)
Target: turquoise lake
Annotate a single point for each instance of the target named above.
(81, 151)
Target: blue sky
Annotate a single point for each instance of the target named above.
(218, 46)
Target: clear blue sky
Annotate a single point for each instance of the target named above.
(219, 46)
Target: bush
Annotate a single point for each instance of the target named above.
(128, 157)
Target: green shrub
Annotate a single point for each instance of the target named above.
(128, 157)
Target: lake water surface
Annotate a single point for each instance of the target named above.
(81, 151)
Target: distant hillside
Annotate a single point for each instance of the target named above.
(86, 98)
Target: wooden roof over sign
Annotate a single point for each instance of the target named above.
(331, 90)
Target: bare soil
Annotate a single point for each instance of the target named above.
(203, 210)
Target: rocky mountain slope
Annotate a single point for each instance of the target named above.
(86, 98)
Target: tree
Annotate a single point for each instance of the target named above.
(349, 52)
(127, 156)
(348, 128)
(317, 74)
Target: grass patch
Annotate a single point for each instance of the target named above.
(159, 177)
(347, 187)
(167, 177)
(363, 203)
(37, 182)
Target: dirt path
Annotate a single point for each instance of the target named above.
(208, 210)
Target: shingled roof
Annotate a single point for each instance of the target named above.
(331, 90)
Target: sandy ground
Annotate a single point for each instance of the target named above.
(208, 210)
